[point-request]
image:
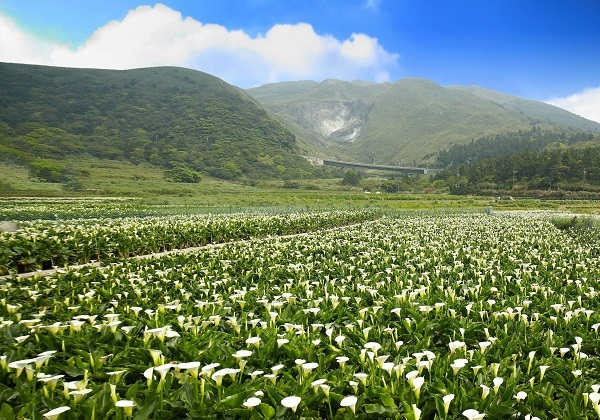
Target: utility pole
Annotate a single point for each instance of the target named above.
(583, 180)
(513, 186)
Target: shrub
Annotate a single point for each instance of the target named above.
(46, 170)
(182, 174)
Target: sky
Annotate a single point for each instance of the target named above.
(546, 50)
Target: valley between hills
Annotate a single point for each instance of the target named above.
(185, 127)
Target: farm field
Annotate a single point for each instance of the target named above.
(154, 195)
(41, 244)
(410, 315)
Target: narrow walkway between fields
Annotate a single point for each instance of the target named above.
(98, 264)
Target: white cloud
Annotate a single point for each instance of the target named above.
(19, 47)
(157, 36)
(585, 103)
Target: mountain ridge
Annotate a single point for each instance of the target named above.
(171, 117)
(409, 120)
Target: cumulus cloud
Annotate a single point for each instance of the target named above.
(585, 103)
(19, 47)
(156, 36)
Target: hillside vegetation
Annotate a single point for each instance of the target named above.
(537, 111)
(416, 117)
(146, 132)
(322, 115)
(560, 172)
(407, 122)
(507, 144)
(169, 117)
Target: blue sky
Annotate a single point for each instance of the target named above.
(544, 50)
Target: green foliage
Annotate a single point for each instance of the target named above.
(570, 169)
(183, 174)
(229, 170)
(352, 177)
(162, 116)
(416, 313)
(46, 170)
(403, 184)
(57, 243)
(575, 222)
(279, 96)
(406, 122)
(538, 112)
(6, 187)
(509, 143)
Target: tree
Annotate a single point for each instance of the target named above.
(352, 177)
(183, 174)
(46, 170)
(229, 170)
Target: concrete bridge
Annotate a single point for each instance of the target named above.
(398, 169)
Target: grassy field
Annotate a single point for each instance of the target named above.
(147, 185)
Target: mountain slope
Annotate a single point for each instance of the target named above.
(533, 109)
(290, 93)
(165, 116)
(323, 114)
(274, 92)
(415, 117)
(405, 122)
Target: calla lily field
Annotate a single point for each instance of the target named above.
(413, 315)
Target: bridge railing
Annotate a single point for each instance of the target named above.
(403, 169)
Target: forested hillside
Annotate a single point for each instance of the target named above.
(170, 117)
(507, 144)
(554, 170)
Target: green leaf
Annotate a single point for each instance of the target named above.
(187, 394)
(374, 409)
(232, 401)
(439, 405)
(267, 411)
(6, 412)
(132, 390)
(501, 411)
(145, 411)
(73, 371)
(281, 411)
(388, 401)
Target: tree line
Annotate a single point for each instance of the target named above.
(533, 141)
(570, 169)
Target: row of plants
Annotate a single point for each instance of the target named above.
(44, 244)
(419, 316)
(18, 209)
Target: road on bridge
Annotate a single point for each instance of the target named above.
(399, 169)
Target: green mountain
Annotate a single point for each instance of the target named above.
(165, 116)
(322, 115)
(272, 92)
(191, 123)
(407, 122)
(535, 110)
